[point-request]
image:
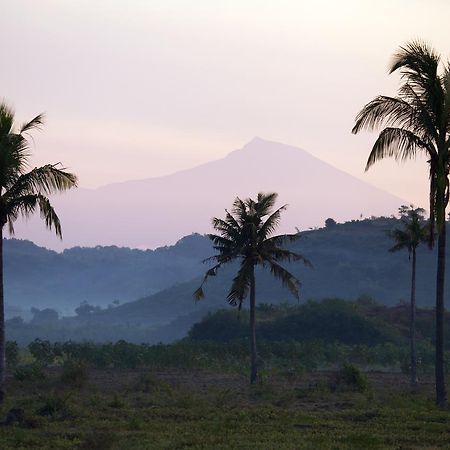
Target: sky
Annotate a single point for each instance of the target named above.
(134, 89)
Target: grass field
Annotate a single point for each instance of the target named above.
(198, 409)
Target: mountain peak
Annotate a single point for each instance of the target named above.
(259, 143)
(271, 149)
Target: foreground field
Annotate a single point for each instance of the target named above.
(170, 409)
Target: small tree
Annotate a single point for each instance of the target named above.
(245, 235)
(413, 232)
(330, 223)
(85, 309)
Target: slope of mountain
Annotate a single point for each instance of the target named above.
(35, 276)
(350, 260)
(152, 212)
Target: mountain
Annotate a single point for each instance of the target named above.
(156, 211)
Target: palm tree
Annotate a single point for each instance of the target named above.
(418, 120)
(22, 192)
(246, 235)
(409, 237)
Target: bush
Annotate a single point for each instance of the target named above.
(54, 406)
(12, 353)
(43, 351)
(32, 372)
(74, 373)
(350, 377)
(98, 439)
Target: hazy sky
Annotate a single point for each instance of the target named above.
(140, 88)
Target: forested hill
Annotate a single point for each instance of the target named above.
(350, 260)
(37, 277)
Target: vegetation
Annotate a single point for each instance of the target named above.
(314, 393)
(409, 237)
(418, 120)
(172, 408)
(351, 256)
(22, 192)
(246, 235)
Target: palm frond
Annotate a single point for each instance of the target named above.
(34, 124)
(402, 240)
(283, 239)
(398, 143)
(45, 180)
(239, 210)
(241, 284)
(6, 119)
(286, 278)
(382, 110)
(271, 223)
(281, 254)
(265, 203)
(416, 61)
(212, 272)
(423, 118)
(26, 205)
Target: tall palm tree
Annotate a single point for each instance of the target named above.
(413, 232)
(246, 235)
(22, 192)
(418, 120)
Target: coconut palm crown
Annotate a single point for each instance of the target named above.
(244, 235)
(416, 121)
(413, 231)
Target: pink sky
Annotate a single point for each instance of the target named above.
(139, 88)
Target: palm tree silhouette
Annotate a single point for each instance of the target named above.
(413, 232)
(22, 192)
(246, 235)
(418, 120)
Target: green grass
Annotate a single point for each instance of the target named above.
(198, 409)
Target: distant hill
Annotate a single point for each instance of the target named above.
(350, 260)
(155, 211)
(42, 278)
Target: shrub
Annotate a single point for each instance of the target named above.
(54, 406)
(116, 402)
(32, 372)
(12, 353)
(43, 351)
(98, 439)
(74, 373)
(351, 378)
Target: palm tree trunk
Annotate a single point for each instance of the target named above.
(441, 396)
(2, 325)
(254, 367)
(413, 323)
